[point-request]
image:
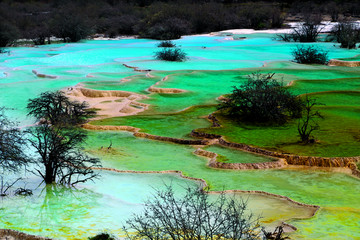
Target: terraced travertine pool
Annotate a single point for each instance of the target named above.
(215, 64)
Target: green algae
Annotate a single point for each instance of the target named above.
(76, 213)
(181, 124)
(338, 135)
(229, 155)
(355, 58)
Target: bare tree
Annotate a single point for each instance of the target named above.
(307, 123)
(70, 25)
(305, 32)
(193, 216)
(58, 154)
(57, 140)
(11, 145)
(12, 157)
(347, 34)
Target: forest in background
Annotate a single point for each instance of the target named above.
(72, 21)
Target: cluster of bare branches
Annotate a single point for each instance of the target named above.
(11, 144)
(193, 216)
(347, 34)
(307, 123)
(305, 32)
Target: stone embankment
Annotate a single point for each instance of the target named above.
(145, 135)
(295, 159)
(9, 234)
(204, 186)
(165, 90)
(280, 159)
(283, 158)
(277, 163)
(136, 69)
(110, 128)
(341, 63)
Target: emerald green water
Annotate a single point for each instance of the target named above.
(209, 73)
(181, 124)
(229, 155)
(311, 186)
(68, 213)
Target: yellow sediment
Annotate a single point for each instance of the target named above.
(13, 234)
(107, 102)
(165, 90)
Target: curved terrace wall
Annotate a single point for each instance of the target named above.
(279, 163)
(204, 186)
(341, 63)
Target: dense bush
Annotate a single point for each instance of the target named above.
(262, 99)
(71, 28)
(171, 54)
(309, 55)
(166, 43)
(347, 34)
(261, 15)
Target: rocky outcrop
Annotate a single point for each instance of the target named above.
(9, 234)
(341, 63)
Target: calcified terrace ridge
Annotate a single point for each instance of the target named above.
(140, 100)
